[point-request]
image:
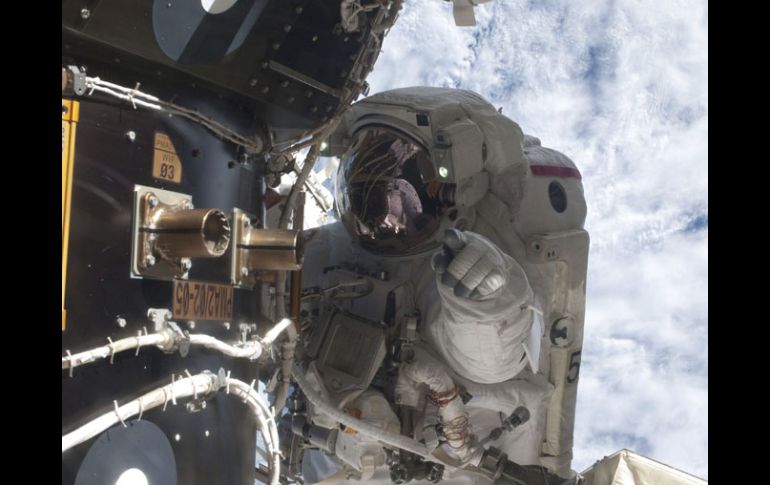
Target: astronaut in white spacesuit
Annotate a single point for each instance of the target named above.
(442, 200)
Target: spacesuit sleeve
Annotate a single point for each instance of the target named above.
(483, 340)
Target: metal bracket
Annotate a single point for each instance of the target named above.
(159, 317)
(492, 462)
(261, 250)
(195, 406)
(168, 231)
(184, 341)
(240, 274)
(246, 329)
(75, 81)
(145, 261)
(161, 320)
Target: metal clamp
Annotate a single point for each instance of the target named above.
(173, 392)
(117, 413)
(248, 393)
(69, 356)
(112, 350)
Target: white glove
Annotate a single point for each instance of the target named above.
(482, 326)
(471, 265)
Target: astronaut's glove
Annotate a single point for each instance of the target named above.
(470, 264)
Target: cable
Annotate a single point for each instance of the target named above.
(288, 348)
(391, 439)
(168, 340)
(277, 330)
(266, 422)
(139, 98)
(199, 384)
(379, 434)
(354, 86)
(163, 340)
(287, 360)
(307, 167)
(249, 350)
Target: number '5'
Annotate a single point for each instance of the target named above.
(574, 367)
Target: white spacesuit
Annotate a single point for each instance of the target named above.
(461, 251)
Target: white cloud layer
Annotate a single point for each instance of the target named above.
(622, 88)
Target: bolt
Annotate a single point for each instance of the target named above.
(284, 84)
(264, 64)
(290, 100)
(298, 10)
(177, 437)
(226, 325)
(131, 135)
(186, 264)
(309, 93)
(276, 46)
(265, 89)
(287, 28)
(206, 433)
(85, 13)
(203, 404)
(315, 38)
(153, 201)
(121, 322)
(244, 271)
(191, 325)
(253, 82)
(314, 109)
(150, 260)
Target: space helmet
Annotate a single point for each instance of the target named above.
(388, 193)
(413, 164)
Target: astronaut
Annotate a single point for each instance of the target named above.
(459, 239)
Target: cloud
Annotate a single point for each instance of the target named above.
(622, 88)
(644, 377)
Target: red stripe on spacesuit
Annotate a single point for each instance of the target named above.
(554, 171)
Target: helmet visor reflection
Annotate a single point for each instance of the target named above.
(382, 192)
